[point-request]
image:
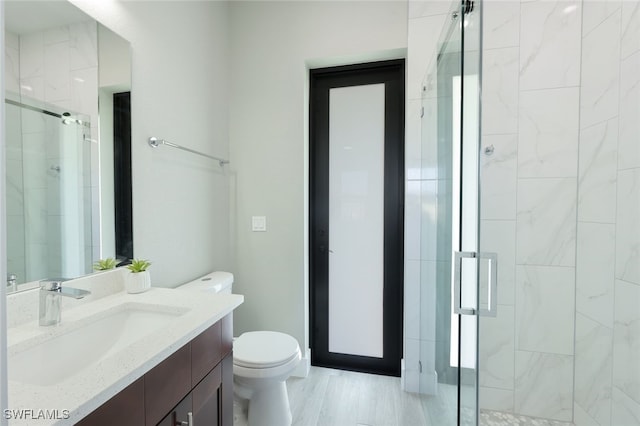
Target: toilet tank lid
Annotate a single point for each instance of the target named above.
(214, 281)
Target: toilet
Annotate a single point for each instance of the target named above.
(262, 362)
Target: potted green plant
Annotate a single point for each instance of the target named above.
(105, 264)
(138, 280)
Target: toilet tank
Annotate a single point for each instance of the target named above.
(214, 282)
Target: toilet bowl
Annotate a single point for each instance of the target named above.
(262, 362)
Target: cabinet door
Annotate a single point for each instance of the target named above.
(180, 414)
(207, 398)
(227, 390)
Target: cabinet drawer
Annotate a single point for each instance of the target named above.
(227, 334)
(209, 347)
(125, 409)
(206, 352)
(167, 384)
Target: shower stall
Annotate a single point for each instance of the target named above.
(530, 215)
(48, 177)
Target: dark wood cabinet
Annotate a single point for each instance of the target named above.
(204, 403)
(195, 380)
(125, 409)
(206, 351)
(179, 414)
(166, 384)
(227, 390)
(207, 399)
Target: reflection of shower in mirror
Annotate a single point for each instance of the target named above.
(60, 162)
(41, 137)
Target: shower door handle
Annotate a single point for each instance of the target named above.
(492, 280)
(457, 282)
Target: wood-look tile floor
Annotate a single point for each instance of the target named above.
(343, 398)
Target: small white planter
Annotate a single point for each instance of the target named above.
(137, 282)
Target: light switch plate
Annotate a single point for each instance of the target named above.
(259, 223)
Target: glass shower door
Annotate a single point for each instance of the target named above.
(474, 270)
(451, 264)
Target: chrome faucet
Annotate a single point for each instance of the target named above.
(51, 291)
(12, 282)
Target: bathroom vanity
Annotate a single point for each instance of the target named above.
(194, 385)
(159, 357)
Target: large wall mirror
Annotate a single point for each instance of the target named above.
(68, 121)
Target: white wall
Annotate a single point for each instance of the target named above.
(271, 43)
(180, 93)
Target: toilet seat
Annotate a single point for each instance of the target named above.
(264, 350)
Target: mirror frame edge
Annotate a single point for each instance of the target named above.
(3, 250)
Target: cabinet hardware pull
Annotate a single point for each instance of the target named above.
(189, 421)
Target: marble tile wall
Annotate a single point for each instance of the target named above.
(530, 115)
(55, 67)
(560, 203)
(565, 169)
(14, 181)
(608, 283)
(499, 209)
(12, 64)
(16, 261)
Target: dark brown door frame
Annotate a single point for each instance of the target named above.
(391, 73)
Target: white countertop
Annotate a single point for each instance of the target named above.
(83, 392)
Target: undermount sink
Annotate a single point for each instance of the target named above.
(97, 338)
